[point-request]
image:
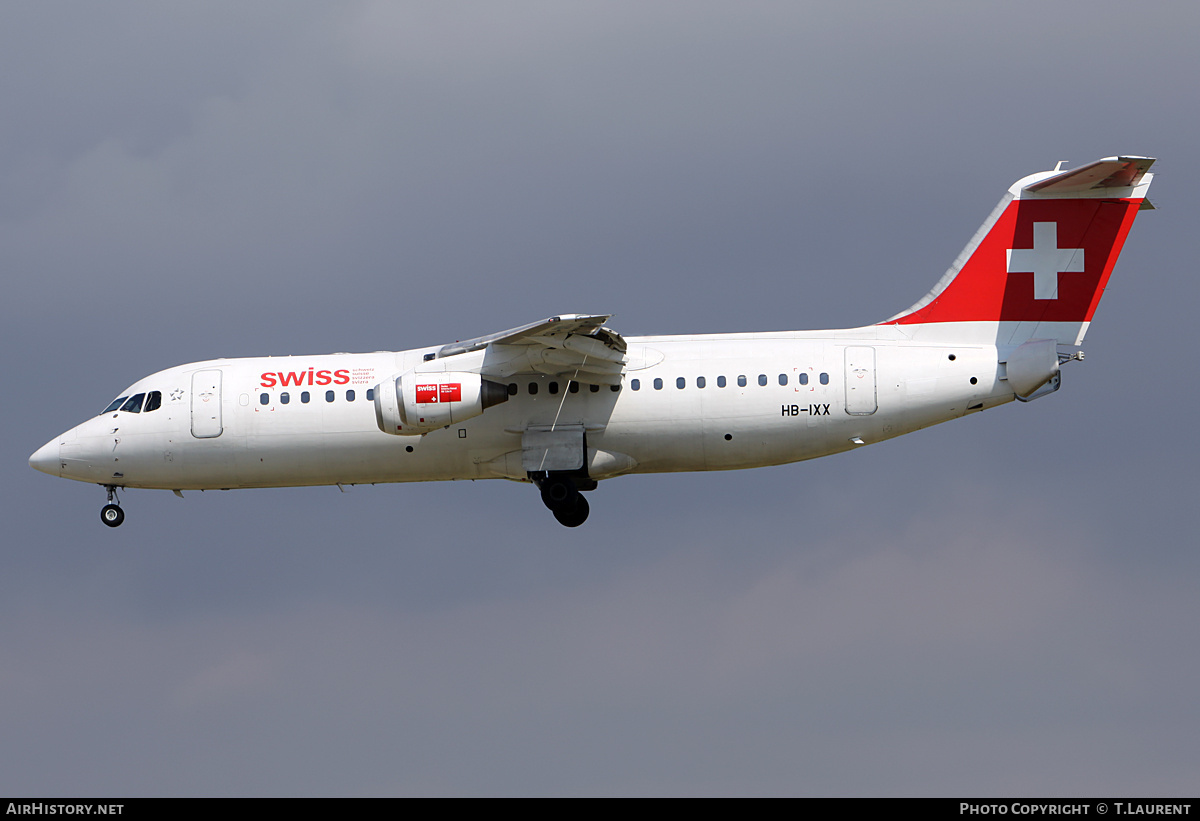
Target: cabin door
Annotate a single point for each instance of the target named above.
(206, 404)
(860, 381)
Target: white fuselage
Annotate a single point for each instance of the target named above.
(232, 423)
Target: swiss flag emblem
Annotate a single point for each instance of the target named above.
(1045, 260)
(1057, 254)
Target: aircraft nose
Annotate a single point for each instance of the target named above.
(45, 458)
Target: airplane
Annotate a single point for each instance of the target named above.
(566, 402)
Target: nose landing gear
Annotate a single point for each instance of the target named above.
(111, 514)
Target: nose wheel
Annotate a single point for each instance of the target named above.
(111, 514)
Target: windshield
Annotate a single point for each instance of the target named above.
(133, 404)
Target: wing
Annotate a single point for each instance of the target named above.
(575, 347)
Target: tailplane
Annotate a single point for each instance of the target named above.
(1038, 265)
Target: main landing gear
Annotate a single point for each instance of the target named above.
(111, 514)
(560, 494)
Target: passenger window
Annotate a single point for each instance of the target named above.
(803, 379)
(134, 403)
(573, 387)
(116, 404)
(264, 399)
(349, 396)
(720, 381)
(512, 389)
(824, 379)
(594, 388)
(328, 396)
(553, 388)
(741, 381)
(284, 398)
(680, 382)
(533, 388)
(614, 388)
(370, 395)
(304, 397)
(657, 384)
(700, 382)
(635, 384)
(762, 379)
(153, 401)
(783, 379)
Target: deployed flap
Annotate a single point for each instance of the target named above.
(557, 448)
(552, 328)
(572, 346)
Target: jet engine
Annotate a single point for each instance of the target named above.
(415, 403)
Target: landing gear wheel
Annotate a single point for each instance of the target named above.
(112, 515)
(562, 496)
(576, 516)
(559, 494)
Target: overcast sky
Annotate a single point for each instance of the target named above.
(1003, 605)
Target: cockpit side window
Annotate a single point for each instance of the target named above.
(116, 403)
(153, 401)
(134, 403)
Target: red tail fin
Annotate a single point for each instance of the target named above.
(1039, 264)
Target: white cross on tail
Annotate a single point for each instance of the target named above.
(1046, 260)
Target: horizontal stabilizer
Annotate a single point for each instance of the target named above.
(1095, 178)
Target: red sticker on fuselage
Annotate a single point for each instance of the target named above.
(449, 392)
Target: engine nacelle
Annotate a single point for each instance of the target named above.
(415, 403)
(1032, 365)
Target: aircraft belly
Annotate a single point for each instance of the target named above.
(368, 457)
(657, 446)
(700, 443)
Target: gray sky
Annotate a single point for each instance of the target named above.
(1002, 605)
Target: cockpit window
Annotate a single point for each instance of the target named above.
(116, 403)
(153, 401)
(134, 403)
